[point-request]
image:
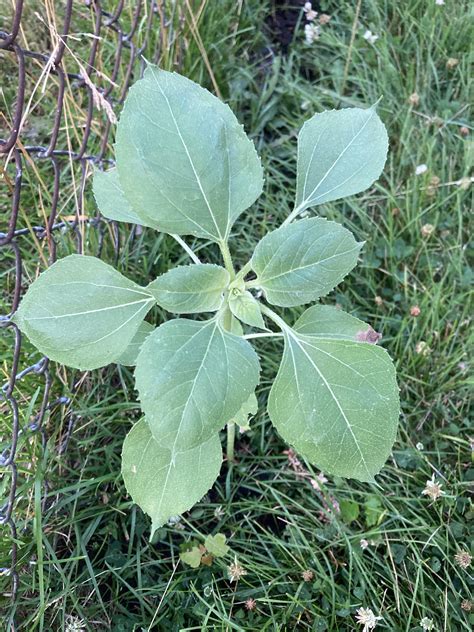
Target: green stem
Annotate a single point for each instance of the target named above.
(271, 334)
(276, 319)
(230, 441)
(295, 212)
(241, 274)
(253, 283)
(227, 319)
(224, 246)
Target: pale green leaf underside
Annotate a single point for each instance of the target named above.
(300, 262)
(246, 308)
(163, 485)
(192, 377)
(184, 161)
(111, 200)
(130, 355)
(336, 401)
(190, 289)
(340, 153)
(82, 313)
(249, 408)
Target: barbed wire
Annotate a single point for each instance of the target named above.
(143, 19)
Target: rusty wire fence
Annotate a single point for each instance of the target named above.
(83, 55)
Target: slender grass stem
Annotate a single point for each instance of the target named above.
(185, 247)
(230, 441)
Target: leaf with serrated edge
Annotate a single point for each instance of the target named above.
(336, 400)
(82, 313)
(164, 485)
(340, 153)
(130, 355)
(183, 159)
(246, 308)
(192, 377)
(191, 289)
(110, 198)
(300, 262)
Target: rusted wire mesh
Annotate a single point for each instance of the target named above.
(116, 35)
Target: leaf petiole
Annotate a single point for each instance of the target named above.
(295, 212)
(229, 266)
(271, 334)
(241, 274)
(276, 319)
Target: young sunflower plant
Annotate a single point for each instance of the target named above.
(184, 166)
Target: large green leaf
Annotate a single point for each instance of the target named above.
(191, 289)
(165, 484)
(110, 198)
(339, 153)
(336, 400)
(82, 313)
(300, 262)
(130, 355)
(184, 161)
(192, 377)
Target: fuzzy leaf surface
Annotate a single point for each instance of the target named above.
(340, 153)
(110, 198)
(82, 313)
(166, 485)
(192, 377)
(300, 262)
(336, 399)
(246, 308)
(183, 158)
(190, 289)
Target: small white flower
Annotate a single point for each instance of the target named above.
(427, 624)
(440, 3)
(421, 169)
(311, 32)
(367, 618)
(364, 544)
(310, 14)
(370, 37)
(235, 571)
(433, 489)
(74, 624)
(420, 446)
